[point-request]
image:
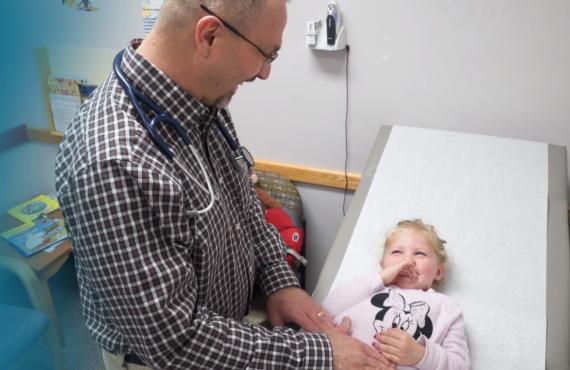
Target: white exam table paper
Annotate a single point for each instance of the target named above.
(487, 197)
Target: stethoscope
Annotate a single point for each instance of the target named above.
(242, 160)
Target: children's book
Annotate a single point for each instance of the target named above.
(28, 211)
(37, 236)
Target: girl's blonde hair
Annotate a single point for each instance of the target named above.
(437, 244)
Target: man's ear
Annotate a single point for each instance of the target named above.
(207, 29)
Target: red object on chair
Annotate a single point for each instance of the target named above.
(292, 235)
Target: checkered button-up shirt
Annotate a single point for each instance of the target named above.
(156, 280)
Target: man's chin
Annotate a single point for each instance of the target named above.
(224, 100)
(222, 103)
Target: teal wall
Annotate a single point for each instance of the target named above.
(26, 171)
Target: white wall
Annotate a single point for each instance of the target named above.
(492, 67)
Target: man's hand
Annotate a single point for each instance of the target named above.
(405, 268)
(400, 347)
(294, 305)
(350, 353)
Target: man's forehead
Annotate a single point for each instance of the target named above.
(269, 23)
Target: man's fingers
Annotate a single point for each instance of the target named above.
(375, 359)
(392, 357)
(276, 321)
(372, 352)
(314, 318)
(372, 362)
(344, 326)
(350, 353)
(387, 362)
(387, 350)
(308, 323)
(324, 321)
(321, 317)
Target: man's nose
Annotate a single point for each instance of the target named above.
(264, 73)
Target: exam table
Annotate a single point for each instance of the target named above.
(502, 205)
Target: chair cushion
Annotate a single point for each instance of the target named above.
(21, 329)
(283, 190)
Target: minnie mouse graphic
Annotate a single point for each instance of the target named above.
(396, 313)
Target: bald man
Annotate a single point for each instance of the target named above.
(165, 276)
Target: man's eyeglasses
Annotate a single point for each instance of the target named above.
(269, 58)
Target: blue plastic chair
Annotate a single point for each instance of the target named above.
(22, 329)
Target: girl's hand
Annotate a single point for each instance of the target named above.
(405, 267)
(399, 346)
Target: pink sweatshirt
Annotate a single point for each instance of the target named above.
(432, 318)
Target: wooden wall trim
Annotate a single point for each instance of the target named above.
(310, 175)
(44, 135)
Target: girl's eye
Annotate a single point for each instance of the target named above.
(396, 252)
(421, 254)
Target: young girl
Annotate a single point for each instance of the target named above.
(398, 311)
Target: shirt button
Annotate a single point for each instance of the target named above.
(238, 226)
(221, 180)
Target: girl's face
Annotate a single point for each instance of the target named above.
(413, 246)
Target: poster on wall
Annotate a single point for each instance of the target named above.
(65, 100)
(85, 5)
(149, 9)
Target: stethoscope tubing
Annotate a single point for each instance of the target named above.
(136, 97)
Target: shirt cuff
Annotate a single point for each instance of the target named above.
(277, 277)
(318, 351)
(429, 361)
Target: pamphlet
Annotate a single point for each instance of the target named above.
(34, 237)
(28, 211)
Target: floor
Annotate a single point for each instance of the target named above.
(81, 352)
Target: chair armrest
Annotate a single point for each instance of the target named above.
(28, 278)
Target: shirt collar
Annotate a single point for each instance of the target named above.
(161, 89)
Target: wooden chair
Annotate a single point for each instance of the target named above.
(287, 194)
